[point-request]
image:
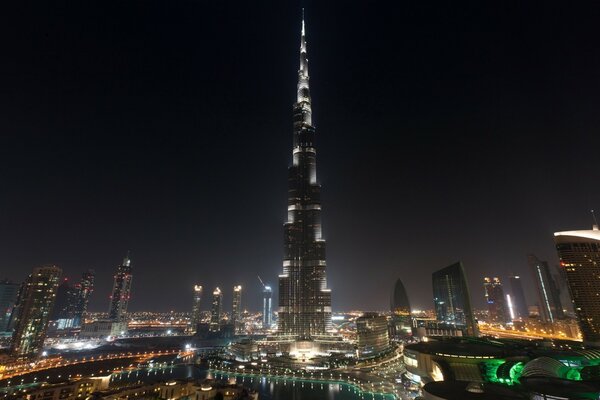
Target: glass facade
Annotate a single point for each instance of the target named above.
(579, 253)
(304, 299)
(236, 312)
(548, 295)
(496, 302)
(373, 336)
(32, 312)
(452, 299)
(196, 312)
(121, 292)
(216, 310)
(8, 297)
(518, 296)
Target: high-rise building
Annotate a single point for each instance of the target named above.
(85, 289)
(65, 305)
(8, 297)
(495, 299)
(215, 311)
(373, 336)
(32, 313)
(579, 254)
(236, 311)
(196, 311)
(304, 299)
(452, 299)
(267, 317)
(547, 292)
(518, 297)
(401, 321)
(121, 292)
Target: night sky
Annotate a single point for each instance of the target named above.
(445, 132)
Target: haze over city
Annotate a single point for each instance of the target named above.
(165, 129)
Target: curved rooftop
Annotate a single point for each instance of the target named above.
(399, 302)
(593, 234)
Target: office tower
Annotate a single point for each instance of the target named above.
(121, 292)
(518, 297)
(65, 305)
(373, 336)
(401, 321)
(85, 289)
(547, 292)
(452, 299)
(267, 317)
(35, 303)
(215, 312)
(196, 311)
(236, 311)
(304, 299)
(579, 254)
(496, 302)
(8, 297)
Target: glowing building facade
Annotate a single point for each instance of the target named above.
(236, 311)
(579, 253)
(216, 310)
(196, 311)
(32, 311)
(121, 292)
(372, 334)
(518, 297)
(267, 317)
(304, 299)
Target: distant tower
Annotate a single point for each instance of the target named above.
(400, 308)
(196, 311)
(495, 299)
(518, 296)
(547, 291)
(85, 288)
(8, 297)
(267, 317)
(304, 299)
(121, 292)
(32, 313)
(452, 299)
(215, 312)
(236, 311)
(579, 254)
(65, 305)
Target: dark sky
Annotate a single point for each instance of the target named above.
(446, 132)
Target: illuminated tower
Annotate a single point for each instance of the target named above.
(196, 312)
(32, 312)
(215, 312)
(518, 296)
(121, 292)
(236, 311)
(548, 294)
(579, 253)
(496, 302)
(304, 299)
(267, 317)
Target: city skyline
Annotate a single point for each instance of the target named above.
(156, 172)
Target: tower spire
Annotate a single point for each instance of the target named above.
(303, 91)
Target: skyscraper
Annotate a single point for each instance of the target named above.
(304, 299)
(65, 305)
(121, 292)
(452, 299)
(8, 297)
(547, 292)
(32, 313)
(267, 317)
(85, 290)
(495, 299)
(236, 310)
(579, 254)
(215, 312)
(518, 296)
(196, 311)
(401, 321)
